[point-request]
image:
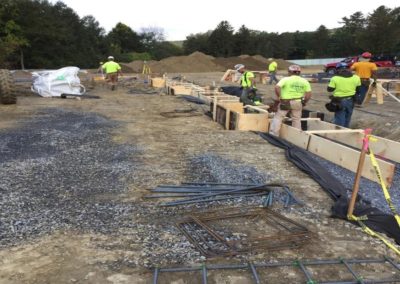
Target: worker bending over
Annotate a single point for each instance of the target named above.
(292, 93)
(344, 86)
(112, 70)
(365, 70)
(248, 85)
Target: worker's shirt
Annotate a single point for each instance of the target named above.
(344, 86)
(364, 69)
(272, 66)
(293, 87)
(245, 79)
(111, 67)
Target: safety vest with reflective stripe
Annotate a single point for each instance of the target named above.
(245, 80)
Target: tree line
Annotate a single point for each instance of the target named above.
(377, 32)
(40, 34)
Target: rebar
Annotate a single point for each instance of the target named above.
(300, 264)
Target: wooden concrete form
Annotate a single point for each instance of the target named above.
(248, 121)
(339, 154)
(231, 76)
(158, 82)
(382, 147)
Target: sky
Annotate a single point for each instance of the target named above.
(179, 18)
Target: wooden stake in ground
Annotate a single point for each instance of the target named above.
(356, 185)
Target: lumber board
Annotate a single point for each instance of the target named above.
(231, 105)
(252, 122)
(382, 147)
(295, 136)
(338, 131)
(259, 109)
(348, 158)
(158, 82)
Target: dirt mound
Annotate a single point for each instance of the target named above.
(200, 62)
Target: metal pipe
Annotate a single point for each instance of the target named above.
(226, 192)
(183, 202)
(305, 271)
(155, 277)
(355, 275)
(204, 274)
(254, 272)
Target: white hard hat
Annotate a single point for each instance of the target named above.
(294, 68)
(111, 57)
(238, 67)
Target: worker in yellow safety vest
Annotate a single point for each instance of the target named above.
(248, 86)
(292, 93)
(272, 69)
(112, 69)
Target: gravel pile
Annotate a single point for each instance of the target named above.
(62, 171)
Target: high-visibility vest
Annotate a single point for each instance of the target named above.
(245, 81)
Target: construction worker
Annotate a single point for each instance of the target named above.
(292, 93)
(248, 85)
(112, 70)
(365, 70)
(272, 69)
(344, 86)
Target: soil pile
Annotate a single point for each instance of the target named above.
(200, 62)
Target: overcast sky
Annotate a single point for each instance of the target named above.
(180, 18)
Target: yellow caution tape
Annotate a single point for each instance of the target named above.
(386, 193)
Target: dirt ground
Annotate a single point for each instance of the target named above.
(74, 256)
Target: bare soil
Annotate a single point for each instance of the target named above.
(73, 256)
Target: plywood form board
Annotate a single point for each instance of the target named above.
(295, 136)
(382, 147)
(348, 158)
(158, 82)
(252, 122)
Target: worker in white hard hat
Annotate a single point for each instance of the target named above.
(113, 70)
(248, 86)
(292, 93)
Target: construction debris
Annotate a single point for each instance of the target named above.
(215, 233)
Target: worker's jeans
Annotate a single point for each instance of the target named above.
(360, 96)
(245, 97)
(343, 117)
(272, 77)
(296, 109)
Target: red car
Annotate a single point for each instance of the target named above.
(380, 61)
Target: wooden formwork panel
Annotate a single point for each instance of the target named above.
(248, 121)
(158, 82)
(382, 147)
(337, 153)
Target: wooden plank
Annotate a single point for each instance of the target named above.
(252, 122)
(383, 147)
(234, 106)
(348, 158)
(339, 131)
(259, 109)
(295, 136)
(180, 90)
(158, 82)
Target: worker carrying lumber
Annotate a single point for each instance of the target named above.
(272, 69)
(248, 86)
(344, 86)
(365, 69)
(292, 93)
(112, 69)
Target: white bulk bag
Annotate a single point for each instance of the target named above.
(57, 82)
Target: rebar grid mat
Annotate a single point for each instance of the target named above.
(198, 228)
(299, 265)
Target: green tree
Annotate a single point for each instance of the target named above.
(243, 41)
(320, 41)
(221, 40)
(125, 38)
(197, 42)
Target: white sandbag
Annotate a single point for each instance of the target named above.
(57, 82)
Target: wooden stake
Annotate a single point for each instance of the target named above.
(361, 161)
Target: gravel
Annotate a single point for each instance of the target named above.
(61, 170)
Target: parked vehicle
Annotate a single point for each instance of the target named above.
(379, 60)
